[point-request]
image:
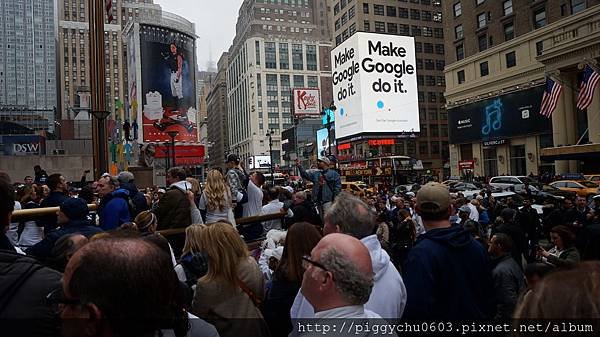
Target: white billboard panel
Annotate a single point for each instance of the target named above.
(307, 102)
(375, 85)
(259, 162)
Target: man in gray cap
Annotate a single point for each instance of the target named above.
(326, 183)
(446, 274)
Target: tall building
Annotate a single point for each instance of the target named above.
(278, 46)
(499, 54)
(218, 129)
(423, 21)
(28, 63)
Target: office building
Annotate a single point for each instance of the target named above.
(499, 54)
(216, 102)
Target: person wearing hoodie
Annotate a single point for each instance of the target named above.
(126, 181)
(72, 218)
(173, 210)
(447, 273)
(349, 215)
(114, 209)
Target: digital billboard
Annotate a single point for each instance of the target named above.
(307, 102)
(168, 83)
(375, 85)
(322, 143)
(259, 162)
(506, 116)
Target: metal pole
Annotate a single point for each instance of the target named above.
(97, 75)
(328, 133)
(271, 157)
(173, 147)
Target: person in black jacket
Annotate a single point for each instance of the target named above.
(58, 193)
(528, 221)
(304, 211)
(507, 275)
(516, 234)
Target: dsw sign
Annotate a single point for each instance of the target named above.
(26, 148)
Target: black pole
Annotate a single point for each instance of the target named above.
(168, 156)
(173, 147)
(271, 158)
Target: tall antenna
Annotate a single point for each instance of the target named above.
(211, 65)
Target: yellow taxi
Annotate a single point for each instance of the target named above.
(583, 188)
(595, 178)
(355, 187)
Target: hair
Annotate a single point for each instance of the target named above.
(404, 213)
(27, 177)
(87, 194)
(24, 194)
(566, 235)
(216, 191)
(260, 177)
(301, 195)
(504, 241)
(193, 236)
(112, 181)
(301, 238)
(274, 193)
(195, 185)
(177, 172)
(126, 177)
(566, 294)
(7, 203)
(144, 221)
(352, 215)
(132, 282)
(54, 181)
(226, 250)
(353, 284)
(62, 251)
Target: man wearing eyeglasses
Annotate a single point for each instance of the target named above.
(338, 278)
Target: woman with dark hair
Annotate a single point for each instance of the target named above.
(301, 238)
(32, 233)
(564, 253)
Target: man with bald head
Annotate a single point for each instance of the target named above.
(338, 278)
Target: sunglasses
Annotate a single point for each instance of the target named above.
(57, 301)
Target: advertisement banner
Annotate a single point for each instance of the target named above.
(322, 143)
(259, 162)
(184, 155)
(307, 102)
(29, 145)
(168, 84)
(375, 85)
(499, 118)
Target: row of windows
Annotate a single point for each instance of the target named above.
(403, 13)
(484, 70)
(402, 29)
(284, 53)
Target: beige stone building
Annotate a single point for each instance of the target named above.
(509, 77)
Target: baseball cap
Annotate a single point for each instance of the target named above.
(325, 160)
(464, 208)
(74, 208)
(232, 157)
(433, 198)
(161, 190)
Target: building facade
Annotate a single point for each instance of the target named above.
(497, 66)
(28, 63)
(277, 47)
(422, 20)
(216, 103)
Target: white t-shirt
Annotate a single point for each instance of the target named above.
(254, 205)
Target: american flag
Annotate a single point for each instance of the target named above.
(550, 97)
(588, 85)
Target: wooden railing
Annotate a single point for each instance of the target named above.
(26, 214)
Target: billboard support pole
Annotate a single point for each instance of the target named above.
(97, 80)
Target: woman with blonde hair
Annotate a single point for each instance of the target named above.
(216, 199)
(196, 189)
(193, 263)
(228, 295)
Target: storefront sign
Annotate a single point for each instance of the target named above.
(184, 155)
(23, 145)
(380, 142)
(374, 171)
(466, 164)
(346, 146)
(494, 142)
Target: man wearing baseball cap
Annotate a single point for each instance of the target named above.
(447, 274)
(326, 183)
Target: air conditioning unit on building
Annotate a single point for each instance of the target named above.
(57, 152)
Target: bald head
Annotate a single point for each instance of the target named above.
(349, 247)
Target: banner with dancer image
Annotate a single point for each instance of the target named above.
(168, 84)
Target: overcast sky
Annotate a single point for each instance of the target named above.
(215, 23)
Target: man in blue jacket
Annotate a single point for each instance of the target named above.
(72, 218)
(447, 274)
(58, 194)
(127, 181)
(114, 209)
(326, 184)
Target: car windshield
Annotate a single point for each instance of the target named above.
(525, 180)
(588, 184)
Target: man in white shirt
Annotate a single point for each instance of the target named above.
(255, 195)
(274, 206)
(474, 215)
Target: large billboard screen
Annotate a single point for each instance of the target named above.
(307, 102)
(322, 143)
(375, 85)
(168, 84)
(511, 115)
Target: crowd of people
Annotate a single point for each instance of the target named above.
(424, 256)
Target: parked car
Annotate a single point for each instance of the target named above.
(558, 192)
(583, 188)
(353, 187)
(517, 183)
(462, 186)
(593, 178)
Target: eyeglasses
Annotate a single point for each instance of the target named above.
(306, 261)
(57, 301)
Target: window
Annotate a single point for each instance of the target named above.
(539, 48)
(577, 6)
(284, 56)
(403, 13)
(459, 32)
(378, 9)
(415, 30)
(539, 18)
(428, 48)
(511, 59)
(418, 47)
(415, 14)
(392, 28)
(311, 57)
(351, 12)
(312, 81)
(427, 31)
(457, 9)
(367, 26)
(484, 69)
(481, 20)
(460, 76)
(270, 55)
(482, 42)
(366, 8)
(507, 7)
(438, 32)
(403, 30)
(257, 49)
(439, 49)
(379, 27)
(297, 62)
(509, 31)
(426, 16)
(460, 52)
(391, 11)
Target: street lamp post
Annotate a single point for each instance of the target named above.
(269, 134)
(100, 117)
(173, 134)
